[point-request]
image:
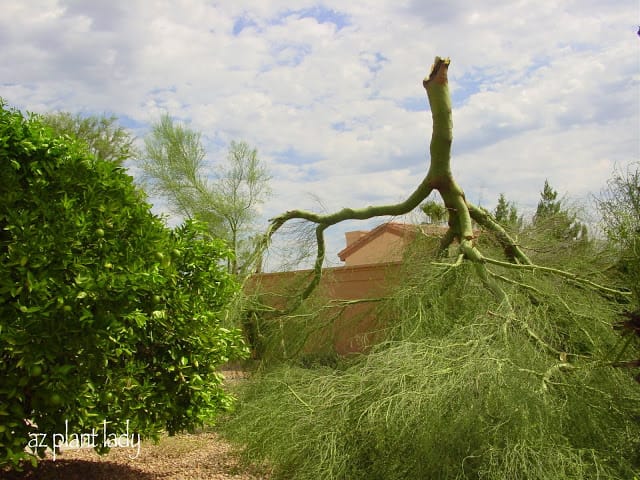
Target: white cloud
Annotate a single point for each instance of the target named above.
(330, 92)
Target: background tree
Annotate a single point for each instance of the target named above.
(619, 206)
(172, 161)
(436, 212)
(548, 205)
(105, 138)
(551, 216)
(105, 314)
(226, 200)
(242, 184)
(506, 213)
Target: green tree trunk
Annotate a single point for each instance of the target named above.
(460, 212)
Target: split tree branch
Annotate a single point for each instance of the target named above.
(439, 177)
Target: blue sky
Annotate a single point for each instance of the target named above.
(330, 92)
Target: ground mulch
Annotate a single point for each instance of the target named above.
(199, 456)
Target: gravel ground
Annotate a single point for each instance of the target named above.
(202, 456)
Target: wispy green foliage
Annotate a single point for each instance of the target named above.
(435, 211)
(463, 388)
(105, 138)
(173, 164)
(241, 185)
(619, 205)
(226, 198)
(491, 369)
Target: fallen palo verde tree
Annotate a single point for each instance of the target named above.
(460, 212)
(518, 383)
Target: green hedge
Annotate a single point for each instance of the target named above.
(105, 314)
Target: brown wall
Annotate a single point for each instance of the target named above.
(355, 324)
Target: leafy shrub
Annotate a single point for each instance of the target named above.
(105, 314)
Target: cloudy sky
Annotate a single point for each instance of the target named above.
(330, 92)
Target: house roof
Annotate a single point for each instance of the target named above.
(399, 229)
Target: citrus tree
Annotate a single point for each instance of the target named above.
(108, 319)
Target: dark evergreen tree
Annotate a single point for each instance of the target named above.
(549, 205)
(553, 217)
(506, 213)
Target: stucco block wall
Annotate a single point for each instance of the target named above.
(356, 326)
